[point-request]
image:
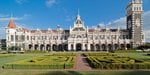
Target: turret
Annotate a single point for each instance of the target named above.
(11, 24)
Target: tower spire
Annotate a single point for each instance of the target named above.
(78, 15)
(78, 22)
(11, 22)
(78, 12)
(11, 16)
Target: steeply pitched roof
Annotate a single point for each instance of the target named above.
(11, 24)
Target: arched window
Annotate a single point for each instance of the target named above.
(78, 36)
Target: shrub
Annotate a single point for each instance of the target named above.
(46, 62)
(148, 54)
(131, 61)
(32, 61)
(109, 61)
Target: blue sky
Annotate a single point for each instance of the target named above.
(45, 14)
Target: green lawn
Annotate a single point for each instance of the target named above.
(48, 61)
(47, 72)
(141, 56)
(18, 57)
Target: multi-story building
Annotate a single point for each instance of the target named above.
(80, 37)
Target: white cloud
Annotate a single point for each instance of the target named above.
(146, 23)
(21, 1)
(3, 26)
(122, 23)
(118, 23)
(101, 24)
(146, 20)
(50, 3)
(7, 18)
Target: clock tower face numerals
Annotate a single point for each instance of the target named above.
(137, 22)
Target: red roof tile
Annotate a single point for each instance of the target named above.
(11, 24)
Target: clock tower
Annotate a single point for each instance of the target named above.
(135, 22)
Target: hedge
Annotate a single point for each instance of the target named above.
(109, 61)
(26, 66)
(53, 61)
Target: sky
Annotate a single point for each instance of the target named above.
(44, 14)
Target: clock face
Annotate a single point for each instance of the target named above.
(129, 24)
(137, 22)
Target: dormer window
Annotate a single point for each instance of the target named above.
(78, 22)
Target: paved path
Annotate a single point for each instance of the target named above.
(81, 64)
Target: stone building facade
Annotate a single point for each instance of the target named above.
(79, 37)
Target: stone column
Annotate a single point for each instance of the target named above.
(74, 46)
(26, 46)
(38, 47)
(113, 48)
(95, 49)
(88, 47)
(33, 47)
(45, 48)
(100, 47)
(119, 46)
(69, 47)
(106, 47)
(83, 47)
(125, 46)
(51, 48)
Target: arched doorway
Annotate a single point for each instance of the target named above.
(66, 47)
(116, 46)
(97, 47)
(36, 47)
(30, 47)
(92, 47)
(71, 47)
(104, 47)
(86, 47)
(79, 47)
(109, 47)
(60, 47)
(48, 47)
(128, 46)
(54, 47)
(122, 46)
(42, 47)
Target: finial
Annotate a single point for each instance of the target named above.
(58, 26)
(78, 16)
(11, 16)
(78, 11)
(87, 27)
